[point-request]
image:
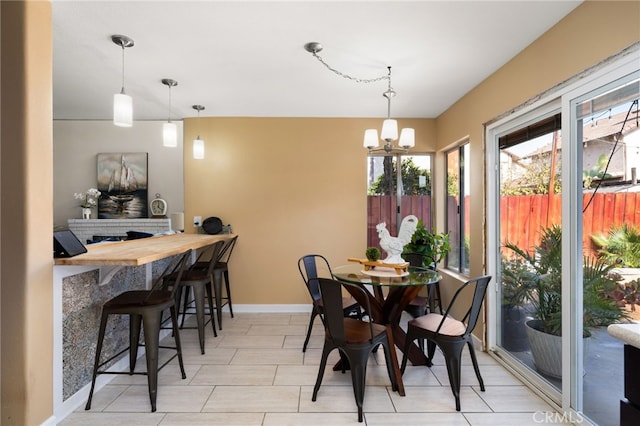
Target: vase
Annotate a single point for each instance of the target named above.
(86, 213)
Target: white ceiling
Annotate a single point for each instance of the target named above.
(240, 58)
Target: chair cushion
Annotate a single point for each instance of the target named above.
(451, 327)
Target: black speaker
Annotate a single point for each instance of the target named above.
(66, 244)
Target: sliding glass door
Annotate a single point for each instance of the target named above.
(562, 234)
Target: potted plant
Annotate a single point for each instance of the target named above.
(544, 295)
(430, 247)
(517, 281)
(372, 253)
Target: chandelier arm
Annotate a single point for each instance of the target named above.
(357, 80)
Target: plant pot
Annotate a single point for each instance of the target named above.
(86, 213)
(546, 349)
(514, 333)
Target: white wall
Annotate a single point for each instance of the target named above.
(76, 143)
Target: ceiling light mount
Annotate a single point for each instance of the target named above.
(313, 47)
(122, 40)
(169, 82)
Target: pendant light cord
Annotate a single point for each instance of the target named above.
(122, 90)
(169, 120)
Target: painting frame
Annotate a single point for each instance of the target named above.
(122, 179)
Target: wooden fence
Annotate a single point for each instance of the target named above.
(523, 217)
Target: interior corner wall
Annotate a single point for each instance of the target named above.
(26, 213)
(76, 144)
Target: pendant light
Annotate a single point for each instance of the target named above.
(169, 129)
(122, 104)
(198, 144)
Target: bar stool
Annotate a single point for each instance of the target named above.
(145, 308)
(222, 270)
(200, 280)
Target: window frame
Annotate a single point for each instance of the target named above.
(462, 264)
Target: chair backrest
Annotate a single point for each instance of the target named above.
(174, 268)
(480, 285)
(225, 253)
(312, 267)
(331, 291)
(215, 253)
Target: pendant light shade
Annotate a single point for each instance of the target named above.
(389, 130)
(198, 149)
(407, 138)
(122, 103)
(169, 129)
(169, 135)
(370, 138)
(198, 144)
(122, 110)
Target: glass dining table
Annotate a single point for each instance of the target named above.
(389, 293)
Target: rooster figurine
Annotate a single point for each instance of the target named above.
(394, 245)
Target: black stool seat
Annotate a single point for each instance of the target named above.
(144, 308)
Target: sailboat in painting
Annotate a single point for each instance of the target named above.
(123, 181)
(122, 178)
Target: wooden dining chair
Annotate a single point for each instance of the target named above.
(144, 308)
(312, 267)
(450, 335)
(354, 338)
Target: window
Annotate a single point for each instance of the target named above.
(457, 208)
(391, 197)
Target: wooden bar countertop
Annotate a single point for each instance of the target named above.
(140, 251)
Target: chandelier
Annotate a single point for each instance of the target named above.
(389, 131)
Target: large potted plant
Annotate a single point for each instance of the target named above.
(544, 295)
(517, 281)
(426, 248)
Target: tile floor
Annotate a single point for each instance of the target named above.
(254, 373)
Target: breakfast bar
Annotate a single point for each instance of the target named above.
(83, 283)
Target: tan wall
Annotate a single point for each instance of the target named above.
(26, 213)
(289, 187)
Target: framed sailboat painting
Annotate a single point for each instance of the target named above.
(122, 181)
